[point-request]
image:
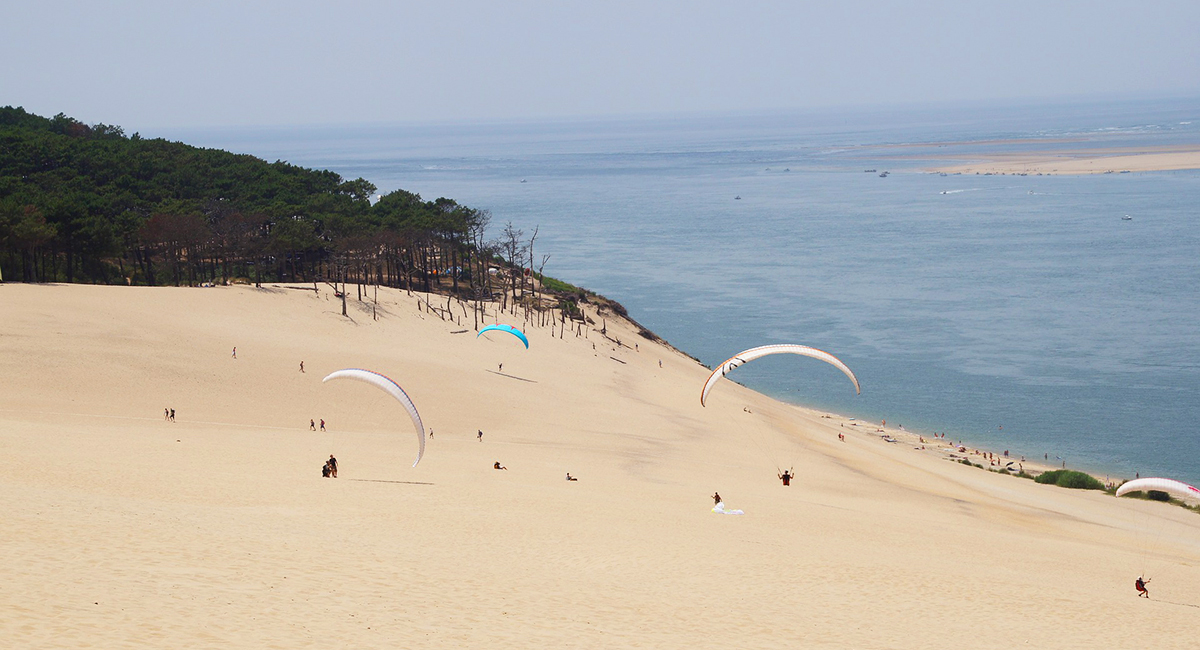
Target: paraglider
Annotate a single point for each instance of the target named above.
(755, 353)
(1167, 485)
(506, 328)
(391, 388)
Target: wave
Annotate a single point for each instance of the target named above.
(973, 189)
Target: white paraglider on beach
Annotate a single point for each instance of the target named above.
(783, 348)
(1170, 486)
(391, 388)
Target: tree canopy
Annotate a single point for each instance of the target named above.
(82, 203)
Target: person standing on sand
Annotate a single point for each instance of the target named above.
(480, 435)
(502, 367)
(235, 352)
(431, 433)
(312, 426)
(322, 424)
(332, 466)
(166, 414)
(172, 415)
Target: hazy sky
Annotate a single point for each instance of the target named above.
(171, 64)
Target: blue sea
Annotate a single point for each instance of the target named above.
(1011, 312)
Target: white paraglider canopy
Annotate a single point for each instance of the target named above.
(391, 388)
(783, 348)
(1170, 486)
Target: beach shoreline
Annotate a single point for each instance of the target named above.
(1068, 161)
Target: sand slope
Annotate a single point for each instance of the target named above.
(125, 531)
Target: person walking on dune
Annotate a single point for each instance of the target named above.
(312, 426)
(235, 352)
(172, 415)
(480, 435)
(301, 366)
(322, 424)
(166, 414)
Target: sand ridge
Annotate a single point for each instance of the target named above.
(127, 531)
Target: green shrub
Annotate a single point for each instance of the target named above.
(1070, 479)
(555, 285)
(1158, 495)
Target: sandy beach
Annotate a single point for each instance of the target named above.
(1068, 161)
(217, 530)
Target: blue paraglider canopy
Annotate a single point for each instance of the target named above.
(506, 328)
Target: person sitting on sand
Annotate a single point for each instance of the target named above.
(786, 477)
(1140, 585)
(571, 478)
(325, 470)
(497, 465)
(716, 498)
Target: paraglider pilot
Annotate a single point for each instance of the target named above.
(786, 477)
(1140, 585)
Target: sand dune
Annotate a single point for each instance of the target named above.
(126, 531)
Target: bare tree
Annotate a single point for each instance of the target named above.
(514, 250)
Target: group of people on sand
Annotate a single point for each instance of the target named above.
(312, 424)
(169, 414)
(330, 468)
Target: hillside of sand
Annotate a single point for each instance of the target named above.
(124, 530)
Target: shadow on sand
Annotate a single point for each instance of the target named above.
(504, 374)
(376, 480)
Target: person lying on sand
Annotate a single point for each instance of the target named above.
(1140, 585)
(571, 478)
(497, 465)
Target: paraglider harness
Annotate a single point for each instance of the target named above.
(1140, 585)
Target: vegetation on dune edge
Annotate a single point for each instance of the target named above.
(82, 203)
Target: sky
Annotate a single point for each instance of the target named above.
(146, 64)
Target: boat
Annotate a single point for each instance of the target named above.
(522, 180)
(737, 198)
(1126, 218)
(883, 174)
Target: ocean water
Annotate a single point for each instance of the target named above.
(1011, 312)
